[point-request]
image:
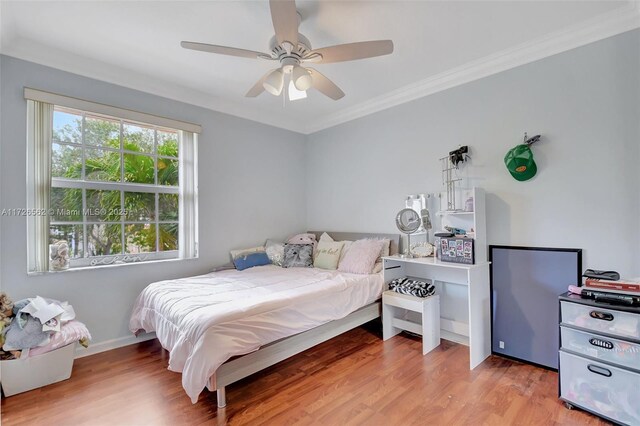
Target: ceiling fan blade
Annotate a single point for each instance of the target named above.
(324, 85)
(257, 88)
(351, 51)
(285, 21)
(224, 50)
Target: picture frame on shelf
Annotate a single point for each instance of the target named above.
(457, 250)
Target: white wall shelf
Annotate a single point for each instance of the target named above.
(475, 220)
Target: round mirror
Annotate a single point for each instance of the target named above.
(408, 221)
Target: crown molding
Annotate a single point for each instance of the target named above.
(98, 70)
(618, 21)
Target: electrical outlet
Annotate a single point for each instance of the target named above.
(501, 344)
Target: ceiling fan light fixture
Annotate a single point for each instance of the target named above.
(301, 78)
(294, 93)
(274, 82)
(287, 68)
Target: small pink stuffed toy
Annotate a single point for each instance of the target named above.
(303, 239)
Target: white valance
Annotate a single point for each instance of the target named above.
(127, 114)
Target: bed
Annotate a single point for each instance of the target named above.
(224, 326)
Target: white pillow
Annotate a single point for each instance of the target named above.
(328, 254)
(345, 247)
(386, 249)
(325, 237)
(361, 257)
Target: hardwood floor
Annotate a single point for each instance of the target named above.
(353, 379)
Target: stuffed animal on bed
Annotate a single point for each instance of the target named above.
(303, 239)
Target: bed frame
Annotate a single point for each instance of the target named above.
(240, 367)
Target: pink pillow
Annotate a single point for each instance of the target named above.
(361, 257)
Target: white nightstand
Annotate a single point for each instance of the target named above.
(394, 309)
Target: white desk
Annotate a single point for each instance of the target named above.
(476, 333)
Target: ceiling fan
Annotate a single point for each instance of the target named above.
(292, 49)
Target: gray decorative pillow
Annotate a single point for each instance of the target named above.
(298, 255)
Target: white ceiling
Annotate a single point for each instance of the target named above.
(137, 44)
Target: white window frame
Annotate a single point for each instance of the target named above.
(187, 190)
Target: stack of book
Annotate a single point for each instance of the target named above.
(622, 291)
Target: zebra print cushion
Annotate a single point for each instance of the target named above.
(413, 287)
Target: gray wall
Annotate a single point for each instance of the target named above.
(252, 177)
(586, 194)
(250, 189)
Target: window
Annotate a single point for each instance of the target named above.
(114, 186)
(118, 189)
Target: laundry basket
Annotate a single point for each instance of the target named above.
(21, 375)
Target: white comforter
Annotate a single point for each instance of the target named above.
(205, 320)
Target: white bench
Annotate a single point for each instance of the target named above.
(394, 317)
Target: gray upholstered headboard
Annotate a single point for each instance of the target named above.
(352, 236)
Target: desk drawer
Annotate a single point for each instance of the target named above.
(617, 323)
(601, 388)
(625, 354)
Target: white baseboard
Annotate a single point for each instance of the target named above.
(131, 340)
(112, 344)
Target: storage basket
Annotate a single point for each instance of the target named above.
(21, 375)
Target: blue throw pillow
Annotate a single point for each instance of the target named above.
(250, 260)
